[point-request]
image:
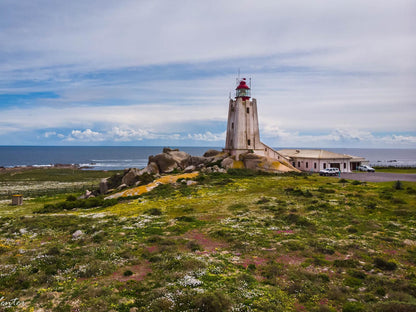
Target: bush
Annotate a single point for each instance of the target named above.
(353, 307)
(398, 185)
(154, 212)
(385, 265)
(212, 302)
(127, 273)
(71, 198)
(79, 203)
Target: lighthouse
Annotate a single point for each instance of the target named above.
(243, 126)
(243, 135)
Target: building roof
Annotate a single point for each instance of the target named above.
(313, 153)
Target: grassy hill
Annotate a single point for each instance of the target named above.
(231, 242)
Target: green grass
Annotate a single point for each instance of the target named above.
(242, 242)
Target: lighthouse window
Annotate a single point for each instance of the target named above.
(232, 125)
(248, 142)
(248, 110)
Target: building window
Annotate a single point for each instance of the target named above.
(293, 164)
(307, 165)
(248, 142)
(248, 110)
(324, 166)
(299, 164)
(345, 165)
(314, 165)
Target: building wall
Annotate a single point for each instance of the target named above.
(308, 164)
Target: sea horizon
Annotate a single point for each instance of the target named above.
(121, 157)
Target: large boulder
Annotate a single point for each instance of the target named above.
(170, 160)
(131, 176)
(231, 163)
(165, 162)
(181, 158)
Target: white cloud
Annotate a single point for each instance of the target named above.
(85, 135)
(317, 66)
(208, 136)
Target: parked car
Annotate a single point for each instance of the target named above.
(366, 168)
(329, 172)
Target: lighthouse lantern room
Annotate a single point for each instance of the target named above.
(243, 90)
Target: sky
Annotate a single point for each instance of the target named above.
(325, 73)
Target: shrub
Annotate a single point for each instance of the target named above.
(347, 263)
(398, 185)
(212, 302)
(193, 246)
(71, 198)
(384, 265)
(353, 307)
(127, 273)
(186, 219)
(153, 212)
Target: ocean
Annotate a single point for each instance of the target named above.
(121, 157)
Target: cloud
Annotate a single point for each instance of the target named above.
(139, 70)
(208, 137)
(86, 135)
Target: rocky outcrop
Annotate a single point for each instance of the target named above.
(173, 159)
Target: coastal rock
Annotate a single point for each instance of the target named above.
(165, 162)
(122, 186)
(189, 169)
(131, 176)
(198, 160)
(211, 153)
(181, 158)
(228, 163)
(152, 168)
(103, 186)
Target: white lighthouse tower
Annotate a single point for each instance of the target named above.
(243, 135)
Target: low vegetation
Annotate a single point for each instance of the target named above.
(231, 242)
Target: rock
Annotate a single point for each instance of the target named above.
(227, 163)
(191, 182)
(86, 195)
(165, 162)
(168, 149)
(152, 168)
(131, 176)
(211, 152)
(190, 168)
(103, 186)
(77, 234)
(181, 158)
(121, 186)
(198, 160)
(252, 161)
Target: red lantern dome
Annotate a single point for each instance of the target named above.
(243, 90)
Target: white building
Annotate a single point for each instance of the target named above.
(314, 160)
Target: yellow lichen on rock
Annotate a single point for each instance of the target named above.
(148, 187)
(238, 164)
